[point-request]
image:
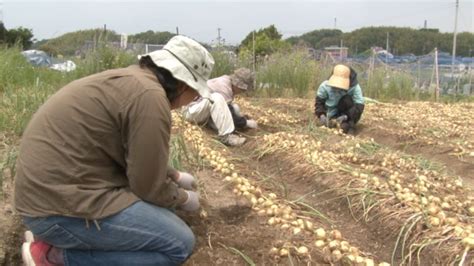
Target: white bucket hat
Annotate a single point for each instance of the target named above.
(187, 60)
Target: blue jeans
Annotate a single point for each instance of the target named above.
(142, 234)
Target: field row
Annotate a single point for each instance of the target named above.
(427, 209)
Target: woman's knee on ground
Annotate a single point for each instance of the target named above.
(187, 242)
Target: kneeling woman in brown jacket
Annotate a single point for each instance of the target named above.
(93, 183)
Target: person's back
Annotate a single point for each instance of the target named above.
(71, 156)
(223, 86)
(219, 112)
(93, 184)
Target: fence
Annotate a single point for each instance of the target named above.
(429, 72)
(138, 48)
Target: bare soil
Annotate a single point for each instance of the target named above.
(232, 232)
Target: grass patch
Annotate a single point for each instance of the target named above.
(368, 148)
(287, 74)
(7, 165)
(179, 153)
(246, 258)
(429, 165)
(23, 87)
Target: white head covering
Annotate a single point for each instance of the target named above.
(243, 78)
(187, 60)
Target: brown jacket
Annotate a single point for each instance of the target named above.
(96, 146)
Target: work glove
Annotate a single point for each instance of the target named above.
(186, 181)
(341, 119)
(192, 202)
(251, 123)
(323, 120)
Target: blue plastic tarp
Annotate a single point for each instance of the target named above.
(37, 58)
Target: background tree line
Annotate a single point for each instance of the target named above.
(268, 40)
(21, 36)
(69, 43)
(401, 40)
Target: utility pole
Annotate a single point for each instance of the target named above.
(470, 73)
(454, 38)
(2, 33)
(437, 74)
(218, 36)
(340, 50)
(2, 37)
(253, 57)
(104, 38)
(253, 50)
(1, 12)
(335, 23)
(386, 49)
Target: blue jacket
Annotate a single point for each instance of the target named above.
(331, 97)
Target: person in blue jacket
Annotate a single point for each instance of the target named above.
(340, 98)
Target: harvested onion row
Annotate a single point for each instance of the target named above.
(267, 116)
(280, 215)
(443, 124)
(443, 212)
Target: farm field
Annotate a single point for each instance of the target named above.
(398, 192)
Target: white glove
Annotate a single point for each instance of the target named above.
(251, 123)
(192, 202)
(186, 181)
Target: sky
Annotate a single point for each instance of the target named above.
(202, 19)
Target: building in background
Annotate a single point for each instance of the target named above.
(336, 52)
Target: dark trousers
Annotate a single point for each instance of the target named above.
(346, 106)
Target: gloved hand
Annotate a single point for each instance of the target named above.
(341, 119)
(323, 120)
(251, 123)
(186, 181)
(192, 202)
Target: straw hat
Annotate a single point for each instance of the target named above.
(187, 60)
(340, 77)
(243, 78)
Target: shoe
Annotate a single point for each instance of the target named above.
(345, 127)
(232, 140)
(35, 253)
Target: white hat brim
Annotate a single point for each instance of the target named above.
(165, 59)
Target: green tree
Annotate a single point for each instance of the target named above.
(318, 39)
(401, 40)
(271, 32)
(151, 37)
(267, 41)
(21, 36)
(69, 43)
(3, 33)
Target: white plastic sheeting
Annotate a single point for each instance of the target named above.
(64, 67)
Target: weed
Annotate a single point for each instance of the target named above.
(240, 253)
